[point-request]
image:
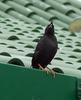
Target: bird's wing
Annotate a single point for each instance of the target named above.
(36, 55)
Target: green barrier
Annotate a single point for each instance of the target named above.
(17, 83)
(79, 89)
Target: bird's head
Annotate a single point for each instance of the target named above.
(50, 29)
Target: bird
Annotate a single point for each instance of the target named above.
(45, 50)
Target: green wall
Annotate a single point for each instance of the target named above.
(18, 83)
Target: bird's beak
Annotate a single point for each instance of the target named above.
(51, 25)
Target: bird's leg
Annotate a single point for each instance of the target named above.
(44, 69)
(47, 70)
(40, 67)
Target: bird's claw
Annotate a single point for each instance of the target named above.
(47, 70)
(50, 71)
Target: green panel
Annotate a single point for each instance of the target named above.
(76, 3)
(59, 7)
(20, 8)
(69, 71)
(21, 17)
(18, 83)
(22, 2)
(40, 4)
(3, 14)
(60, 23)
(4, 7)
(63, 1)
(78, 11)
(79, 89)
(40, 19)
(42, 13)
(60, 16)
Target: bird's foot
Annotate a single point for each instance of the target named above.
(40, 67)
(51, 71)
(44, 69)
(47, 70)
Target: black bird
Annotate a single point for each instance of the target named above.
(46, 49)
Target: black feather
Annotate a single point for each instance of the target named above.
(46, 48)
